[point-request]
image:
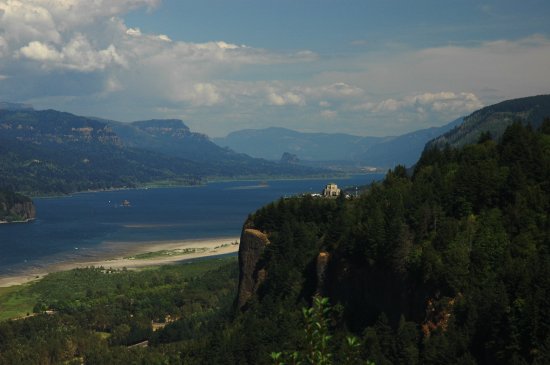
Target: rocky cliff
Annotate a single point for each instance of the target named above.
(15, 207)
(251, 248)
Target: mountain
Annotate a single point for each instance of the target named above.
(168, 136)
(404, 149)
(173, 138)
(45, 152)
(495, 118)
(271, 143)
(14, 106)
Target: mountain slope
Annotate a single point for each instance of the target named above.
(272, 143)
(173, 138)
(495, 118)
(404, 149)
(54, 152)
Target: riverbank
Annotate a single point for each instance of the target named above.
(134, 257)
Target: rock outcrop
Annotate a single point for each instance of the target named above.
(321, 268)
(252, 245)
(289, 158)
(16, 208)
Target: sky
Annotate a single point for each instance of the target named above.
(364, 67)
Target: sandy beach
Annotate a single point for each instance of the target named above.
(136, 256)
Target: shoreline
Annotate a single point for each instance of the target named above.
(28, 220)
(159, 185)
(133, 257)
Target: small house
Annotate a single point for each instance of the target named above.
(331, 190)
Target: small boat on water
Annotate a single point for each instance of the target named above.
(126, 203)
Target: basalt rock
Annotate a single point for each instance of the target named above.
(16, 208)
(321, 266)
(251, 248)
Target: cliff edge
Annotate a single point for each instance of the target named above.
(15, 208)
(251, 248)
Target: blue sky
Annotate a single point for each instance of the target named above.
(355, 66)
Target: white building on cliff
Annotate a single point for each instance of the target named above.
(331, 190)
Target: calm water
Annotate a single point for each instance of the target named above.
(85, 225)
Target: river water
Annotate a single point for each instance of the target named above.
(85, 225)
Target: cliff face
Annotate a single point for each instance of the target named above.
(12, 211)
(251, 248)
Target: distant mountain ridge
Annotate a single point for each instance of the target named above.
(4, 105)
(495, 119)
(271, 143)
(50, 152)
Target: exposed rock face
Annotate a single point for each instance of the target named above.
(251, 247)
(289, 158)
(17, 212)
(321, 266)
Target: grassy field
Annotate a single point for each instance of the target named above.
(16, 302)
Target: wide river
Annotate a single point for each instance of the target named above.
(85, 225)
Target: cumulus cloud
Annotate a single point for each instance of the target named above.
(78, 54)
(41, 52)
(288, 98)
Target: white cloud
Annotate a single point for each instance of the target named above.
(288, 98)
(41, 52)
(136, 32)
(205, 94)
(78, 54)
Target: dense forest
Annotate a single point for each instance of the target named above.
(445, 264)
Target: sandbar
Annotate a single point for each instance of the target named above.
(135, 256)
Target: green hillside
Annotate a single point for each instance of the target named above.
(495, 119)
(51, 152)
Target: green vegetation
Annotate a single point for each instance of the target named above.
(448, 266)
(49, 152)
(494, 119)
(94, 313)
(16, 302)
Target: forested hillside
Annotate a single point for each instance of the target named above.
(51, 152)
(495, 119)
(448, 266)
